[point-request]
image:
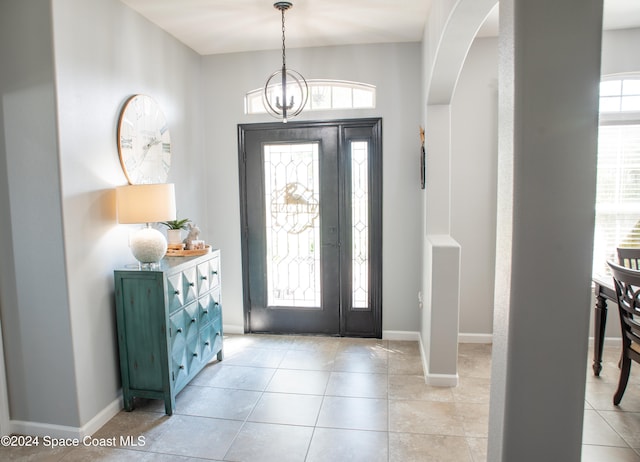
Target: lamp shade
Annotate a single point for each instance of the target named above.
(146, 203)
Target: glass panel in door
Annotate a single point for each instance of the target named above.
(292, 225)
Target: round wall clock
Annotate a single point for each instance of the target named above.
(144, 143)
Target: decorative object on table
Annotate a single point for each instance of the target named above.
(194, 235)
(286, 91)
(174, 231)
(191, 246)
(146, 203)
(423, 161)
(144, 142)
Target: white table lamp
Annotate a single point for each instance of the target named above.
(146, 203)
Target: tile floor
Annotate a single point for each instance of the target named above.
(611, 433)
(286, 398)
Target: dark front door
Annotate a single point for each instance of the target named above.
(311, 217)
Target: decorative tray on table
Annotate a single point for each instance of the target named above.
(178, 250)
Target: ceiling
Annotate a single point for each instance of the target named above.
(228, 26)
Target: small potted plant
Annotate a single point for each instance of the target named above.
(174, 231)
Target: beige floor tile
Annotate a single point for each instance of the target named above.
(404, 347)
(193, 437)
(475, 419)
(472, 390)
(310, 360)
(434, 418)
(32, 453)
(354, 413)
(332, 399)
(103, 454)
(599, 394)
(134, 424)
(374, 362)
(285, 408)
(221, 403)
(266, 342)
(597, 431)
(256, 357)
(260, 442)
(592, 453)
(357, 385)
(404, 364)
(626, 424)
(413, 387)
(333, 445)
(362, 346)
(302, 382)
(412, 447)
(474, 360)
(304, 342)
(238, 377)
(478, 447)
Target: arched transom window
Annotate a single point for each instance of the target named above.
(323, 95)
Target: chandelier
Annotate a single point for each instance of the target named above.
(286, 91)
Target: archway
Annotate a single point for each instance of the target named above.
(451, 30)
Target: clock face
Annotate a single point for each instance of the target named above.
(144, 143)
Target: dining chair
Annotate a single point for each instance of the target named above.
(627, 285)
(629, 257)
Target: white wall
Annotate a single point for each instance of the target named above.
(474, 156)
(99, 64)
(620, 51)
(395, 70)
(474, 120)
(547, 141)
(33, 295)
(72, 65)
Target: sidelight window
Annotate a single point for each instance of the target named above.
(360, 223)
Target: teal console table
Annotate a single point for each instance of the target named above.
(169, 325)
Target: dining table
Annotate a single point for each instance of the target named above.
(604, 291)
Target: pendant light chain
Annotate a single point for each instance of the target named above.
(284, 55)
(286, 91)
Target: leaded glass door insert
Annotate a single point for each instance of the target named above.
(360, 224)
(292, 224)
(311, 207)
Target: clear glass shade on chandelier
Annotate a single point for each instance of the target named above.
(285, 94)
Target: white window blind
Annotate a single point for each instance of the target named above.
(618, 194)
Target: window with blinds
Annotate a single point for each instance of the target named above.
(618, 181)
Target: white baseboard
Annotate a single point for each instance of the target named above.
(62, 431)
(442, 380)
(435, 380)
(403, 335)
(102, 417)
(233, 329)
(20, 427)
(423, 357)
(475, 338)
(612, 340)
